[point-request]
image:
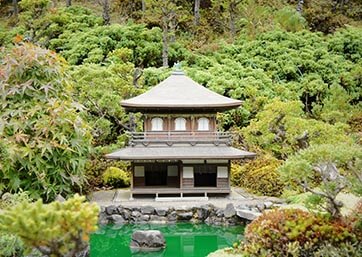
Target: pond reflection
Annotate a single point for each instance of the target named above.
(182, 239)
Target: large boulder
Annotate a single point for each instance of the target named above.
(147, 210)
(161, 211)
(147, 240)
(117, 219)
(247, 214)
(184, 215)
(229, 210)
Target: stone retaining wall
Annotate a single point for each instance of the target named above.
(209, 214)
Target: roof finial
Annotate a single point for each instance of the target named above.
(177, 69)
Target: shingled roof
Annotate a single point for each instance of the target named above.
(180, 153)
(179, 92)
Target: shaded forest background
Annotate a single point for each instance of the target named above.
(66, 65)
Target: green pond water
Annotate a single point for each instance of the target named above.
(182, 239)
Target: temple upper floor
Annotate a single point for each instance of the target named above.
(180, 123)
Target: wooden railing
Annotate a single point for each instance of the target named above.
(174, 137)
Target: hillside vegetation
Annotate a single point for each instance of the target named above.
(65, 67)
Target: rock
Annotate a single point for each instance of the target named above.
(260, 207)
(147, 210)
(135, 214)
(117, 219)
(208, 220)
(202, 213)
(229, 210)
(125, 213)
(243, 207)
(154, 219)
(147, 240)
(219, 213)
(103, 219)
(59, 198)
(161, 211)
(111, 210)
(172, 216)
(145, 217)
(182, 209)
(184, 215)
(247, 214)
(268, 204)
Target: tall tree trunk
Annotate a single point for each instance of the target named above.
(136, 76)
(300, 6)
(232, 19)
(164, 42)
(143, 6)
(173, 24)
(197, 13)
(106, 11)
(16, 9)
(68, 3)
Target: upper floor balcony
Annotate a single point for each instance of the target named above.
(180, 137)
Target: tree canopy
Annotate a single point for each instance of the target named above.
(44, 140)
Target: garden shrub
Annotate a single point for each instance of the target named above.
(293, 231)
(344, 250)
(355, 221)
(95, 168)
(260, 176)
(116, 177)
(10, 245)
(47, 157)
(56, 229)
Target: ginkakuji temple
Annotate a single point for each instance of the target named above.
(180, 152)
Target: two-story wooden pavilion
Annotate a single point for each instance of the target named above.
(180, 150)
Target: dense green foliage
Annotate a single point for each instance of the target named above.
(10, 246)
(44, 140)
(116, 177)
(338, 167)
(55, 229)
(296, 65)
(300, 88)
(94, 169)
(260, 176)
(293, 232)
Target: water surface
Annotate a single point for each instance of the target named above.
(182, 239)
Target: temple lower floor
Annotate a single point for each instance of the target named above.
(180, 177)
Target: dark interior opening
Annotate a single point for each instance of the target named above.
(205, 176)
(156, 175)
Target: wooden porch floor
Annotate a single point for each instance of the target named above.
(175, 190)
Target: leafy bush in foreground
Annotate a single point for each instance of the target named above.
(56, 229)
(294, 232)
(10, 245)
(46, 140)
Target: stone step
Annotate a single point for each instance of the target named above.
(184, 198)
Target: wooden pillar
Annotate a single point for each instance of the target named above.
(181, 173)
(169, 125)
(229, 172)
(192, 124)
(132, 174)
(132, 178)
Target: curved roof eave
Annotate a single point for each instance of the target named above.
(180, 91)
